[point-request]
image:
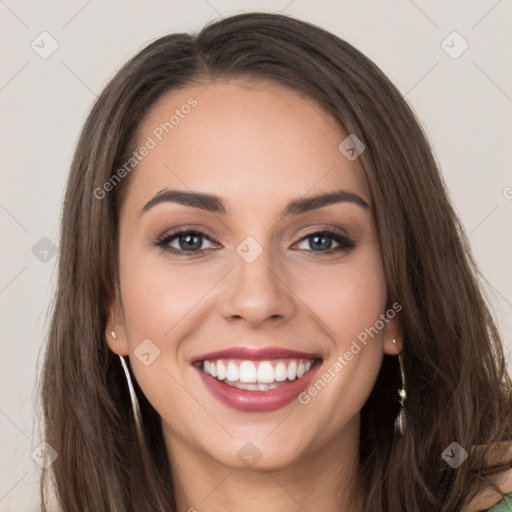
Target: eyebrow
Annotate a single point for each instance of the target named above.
(214, 204)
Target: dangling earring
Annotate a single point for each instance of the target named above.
(402, 395)
(133, 397)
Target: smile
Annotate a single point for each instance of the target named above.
(257, 376)
(252, 381)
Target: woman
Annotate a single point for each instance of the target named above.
(265, 298)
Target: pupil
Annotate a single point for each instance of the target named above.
(187, 238)
(322, 237)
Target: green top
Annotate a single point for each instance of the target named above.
(505, 505)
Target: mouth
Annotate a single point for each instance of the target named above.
(252, 381)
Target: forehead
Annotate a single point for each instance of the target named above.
(246, 142)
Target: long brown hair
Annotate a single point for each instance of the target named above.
(457, 383)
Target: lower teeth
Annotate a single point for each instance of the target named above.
(254, 386)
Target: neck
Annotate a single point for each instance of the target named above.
(318, 481)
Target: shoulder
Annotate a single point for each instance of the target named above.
(505, 505)
(489, 497)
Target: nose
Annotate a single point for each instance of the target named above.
(257, 293)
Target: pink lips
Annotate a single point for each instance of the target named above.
(256, 401)
(255, 354)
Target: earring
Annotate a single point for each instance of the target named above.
(402, 395)
(113, 334)
(133, 397)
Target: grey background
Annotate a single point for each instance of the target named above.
(464, 103)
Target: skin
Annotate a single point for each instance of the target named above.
(257, 146)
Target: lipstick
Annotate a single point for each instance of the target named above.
(256, 380)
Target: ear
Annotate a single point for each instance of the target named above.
(115, 330)
(393, 331)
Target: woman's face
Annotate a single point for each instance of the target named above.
(273, 291)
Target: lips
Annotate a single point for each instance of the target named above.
(256, 380)
(255, 354)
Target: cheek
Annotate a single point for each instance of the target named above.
(349, 301)
(157, 295)
(158, 301)
(348, 297)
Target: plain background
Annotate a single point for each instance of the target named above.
(464, 103)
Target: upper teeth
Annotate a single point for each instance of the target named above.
(262, 372)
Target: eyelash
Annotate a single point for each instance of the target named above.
(163, 241)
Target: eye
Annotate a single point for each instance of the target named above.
(321, 239)
(189, 242)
